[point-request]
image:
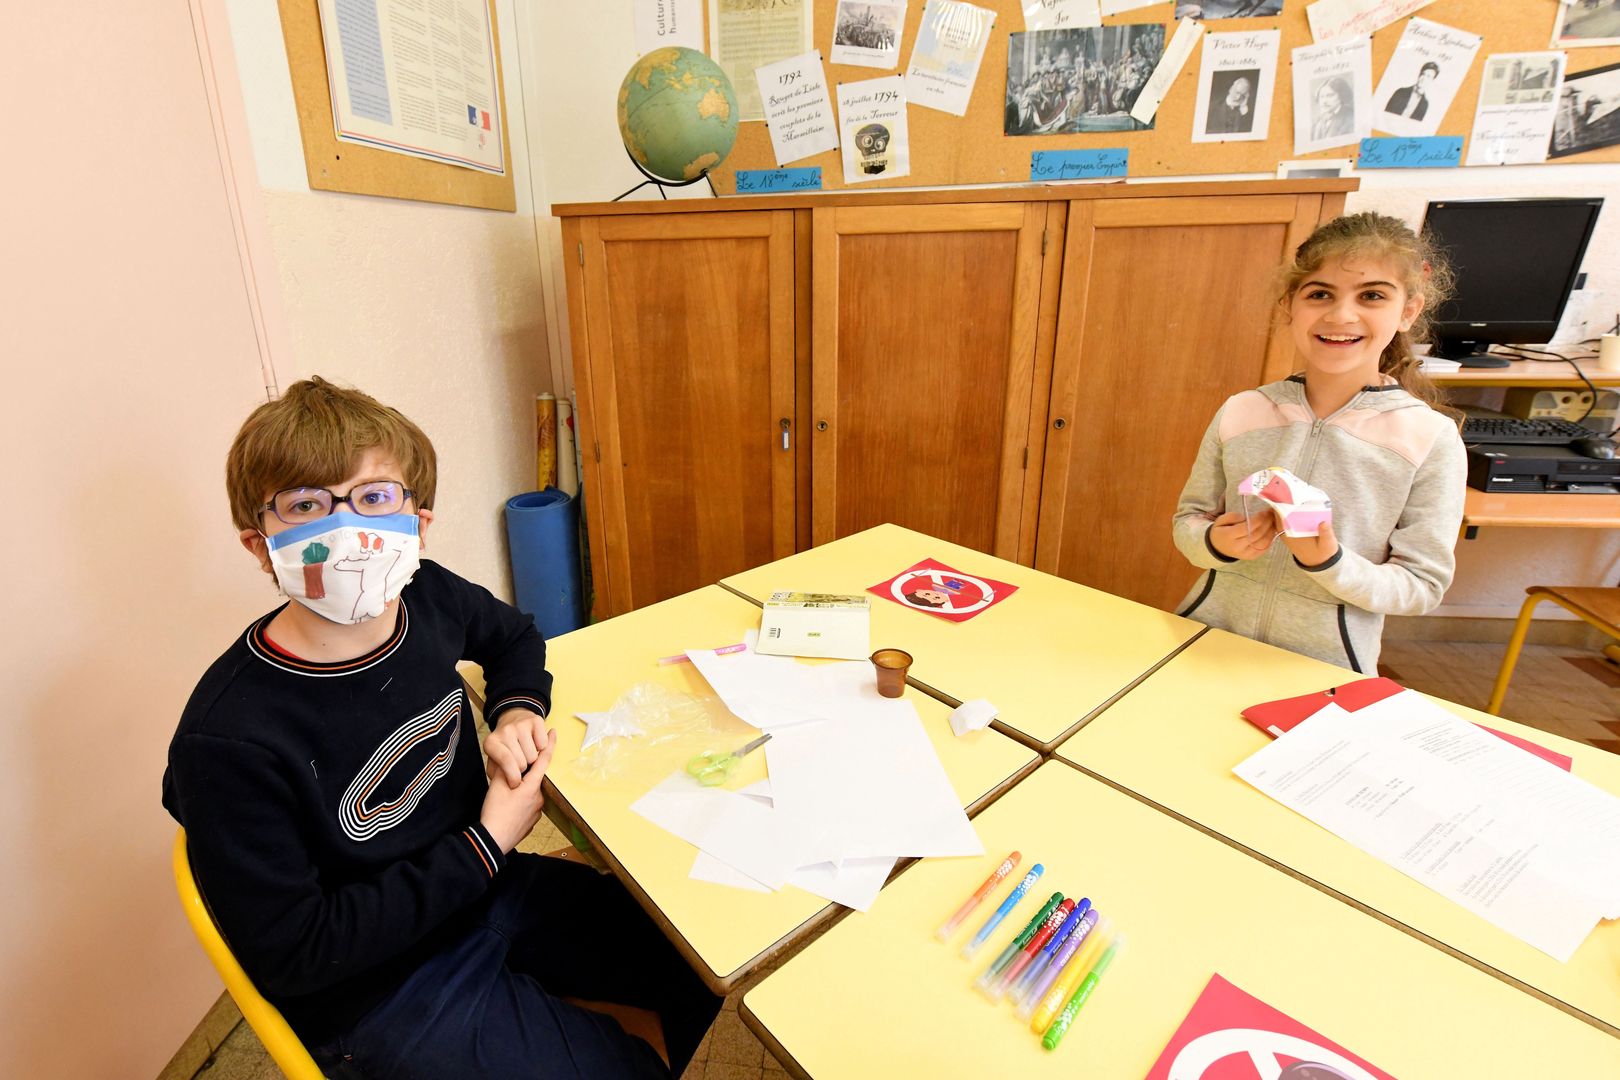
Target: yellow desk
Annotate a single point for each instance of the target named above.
(1048, 657)
(878, 997)
(1175, 738)
(722, 931)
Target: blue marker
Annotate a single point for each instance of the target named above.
(1053, 944)
(1001, 912)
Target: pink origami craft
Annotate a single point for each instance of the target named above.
(1301, 509)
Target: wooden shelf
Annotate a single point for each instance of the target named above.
(1532, 510)
(1527, 373)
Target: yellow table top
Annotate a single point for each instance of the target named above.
(1175, 738)
(723, 931)
(879, 997)
(1047, 657)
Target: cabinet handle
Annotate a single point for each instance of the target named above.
(1060, 423)
(787, 442)
(821, 425)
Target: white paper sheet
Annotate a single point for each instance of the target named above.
(867, 33)
(1422, 77)
(868, 778)
(1518, 101)
(741, 832)
(769, 692)
(1188, 32)
(1114, 7)
(1506, 835)
(1235, 86)
(873, 130)
(945, 60)
(746, 34)
(1332, 94)
(798, 112)
(662, 23)
(1061, 14)
(855, 883)
(1331, 19)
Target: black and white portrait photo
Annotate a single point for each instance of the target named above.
(1062, 81)
(1412, 101)
(1333, 108)
(1588, 112)
(1227, 9)
(1232, 98)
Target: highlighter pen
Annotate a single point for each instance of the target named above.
(1038, 961)
(1000, 963)
(978, 896)
(1001, 912)
(1076, 970)
(1037, 941)
(1037, 989)
(1054, 1034)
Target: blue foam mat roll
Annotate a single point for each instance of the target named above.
(542, 529)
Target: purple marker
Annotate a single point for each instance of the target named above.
(1041, 961)
(1001, 912)
(1060, 959)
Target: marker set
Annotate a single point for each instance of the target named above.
(1050, 969)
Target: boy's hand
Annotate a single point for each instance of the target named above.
(1235, 539)
(1314, 550)
(510, 813)
(514, 744)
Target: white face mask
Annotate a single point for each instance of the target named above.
(347, 567)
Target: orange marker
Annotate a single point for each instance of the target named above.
(978, 897)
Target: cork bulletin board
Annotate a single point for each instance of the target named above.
(972, 149)
(365, 170)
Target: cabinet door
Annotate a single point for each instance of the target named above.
(687, 393)
(924, 344)
(1166, 310)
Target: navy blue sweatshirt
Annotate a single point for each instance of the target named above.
(331, 809)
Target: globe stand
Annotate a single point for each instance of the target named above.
(660, 183)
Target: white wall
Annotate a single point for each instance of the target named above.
(437, 310)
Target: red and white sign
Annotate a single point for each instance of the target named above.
(937, 589)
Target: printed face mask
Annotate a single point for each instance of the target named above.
(347, 567)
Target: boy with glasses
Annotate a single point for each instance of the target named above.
(327, 772)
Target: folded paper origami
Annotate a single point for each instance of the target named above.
(1301, 509)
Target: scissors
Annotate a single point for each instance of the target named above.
(713, 767)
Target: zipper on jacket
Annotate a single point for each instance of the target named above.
(1349, 649)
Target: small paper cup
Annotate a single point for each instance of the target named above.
(892, 665)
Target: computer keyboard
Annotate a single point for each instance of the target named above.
(1484, 429)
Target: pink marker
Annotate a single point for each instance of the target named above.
(682, 658)
(1059, 915)
(978, 896)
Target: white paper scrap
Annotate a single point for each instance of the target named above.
(972, 716)
(769, 692)
(1188, 31)
(855, 883)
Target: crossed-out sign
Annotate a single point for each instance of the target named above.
(941, 591)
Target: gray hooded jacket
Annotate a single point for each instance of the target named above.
(1395, 470)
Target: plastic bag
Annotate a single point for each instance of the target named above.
(647, 716)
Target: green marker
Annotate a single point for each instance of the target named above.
(988, 979)
(1060, 1026)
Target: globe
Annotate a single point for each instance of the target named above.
(677, 114)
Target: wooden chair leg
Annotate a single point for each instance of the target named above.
(1613, 653)
(1515, 645)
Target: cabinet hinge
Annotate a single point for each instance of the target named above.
(582, 253)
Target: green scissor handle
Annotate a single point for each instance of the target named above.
(713, 767)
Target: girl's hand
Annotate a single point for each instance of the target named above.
(1314, 550)
(1237, 538)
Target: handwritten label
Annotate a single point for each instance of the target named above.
(761, 181)
(1061, 14)
(1431, 152)
(1077, 164)
(798, 112)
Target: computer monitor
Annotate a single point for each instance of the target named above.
(1515, 261)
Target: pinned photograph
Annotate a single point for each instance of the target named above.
(1332, 94)
(1235, 86)
(867, 32)
(1587, 23)
(1065, 81)
(1517, 106)
(873, 130)
(1588, 113)
(1429, 64)
(1227, 9)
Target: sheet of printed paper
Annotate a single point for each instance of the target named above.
(1235, 86)
(893, 796)
(1060, 14)
(945, 60)
(1429, 64)
(1115, 7)
(1421, 792)
(661, 23)
(395, 87)
(1332, 94)
(1518, 102)
(867, 32)
(1188, 32)
(1331, 19)
(872, 129)
(798, 113)
(748, 34)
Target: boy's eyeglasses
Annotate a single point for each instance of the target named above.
(299, 505)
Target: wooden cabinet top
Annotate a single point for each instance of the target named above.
(1000, 193)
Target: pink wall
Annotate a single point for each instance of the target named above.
(131, 351)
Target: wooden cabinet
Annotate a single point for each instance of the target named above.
(1022, 371)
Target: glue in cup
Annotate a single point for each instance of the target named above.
(892, 665)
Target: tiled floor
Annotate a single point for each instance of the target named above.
(1563, 690)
